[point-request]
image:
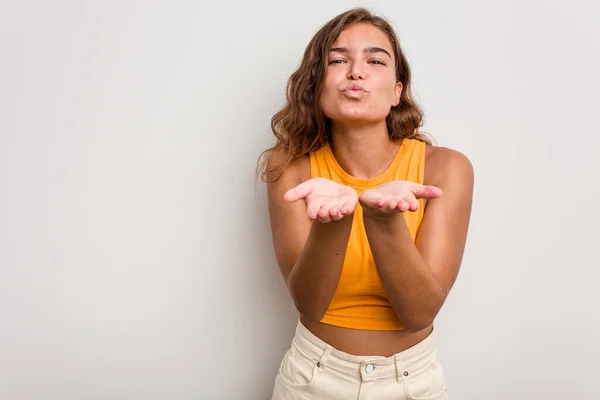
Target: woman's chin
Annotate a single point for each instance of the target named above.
(352, 118)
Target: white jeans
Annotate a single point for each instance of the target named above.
(312, 369)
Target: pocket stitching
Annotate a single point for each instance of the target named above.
(285, 380)
(428, 397)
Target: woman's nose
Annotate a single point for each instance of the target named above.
(356, 71)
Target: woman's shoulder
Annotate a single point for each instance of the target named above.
(440, 162)
(297, 169)
(443, 154)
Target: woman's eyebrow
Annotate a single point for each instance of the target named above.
(370, 49)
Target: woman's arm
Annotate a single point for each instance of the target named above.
(417, 277)
(310, 253)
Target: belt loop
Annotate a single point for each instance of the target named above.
(320, 367)
(399, 370)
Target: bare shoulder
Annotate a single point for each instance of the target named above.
(295, 173)
(443, 164)
(302, 168)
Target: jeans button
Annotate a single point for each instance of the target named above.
(369, 368)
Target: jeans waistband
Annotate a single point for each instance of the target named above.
(402, 364)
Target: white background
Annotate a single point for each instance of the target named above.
(135, 253)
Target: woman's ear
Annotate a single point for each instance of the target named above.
(397, 93)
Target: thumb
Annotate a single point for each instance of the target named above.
(427, 192)
(298, 192)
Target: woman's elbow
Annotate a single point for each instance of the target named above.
(305, 303)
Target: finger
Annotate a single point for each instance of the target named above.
(349, 205)
(298, 192)
(427, 192)
(335, 215)
(335, 208)
(390, 206)
(328, 205)
(312, 208)
(325, 218)
(402, 206)
(413, 204)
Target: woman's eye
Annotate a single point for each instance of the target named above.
(340, 61)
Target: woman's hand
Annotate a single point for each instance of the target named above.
(326, 200)
(396, 196)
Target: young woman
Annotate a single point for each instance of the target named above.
(369, 220)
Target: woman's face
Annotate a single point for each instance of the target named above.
(360, 83)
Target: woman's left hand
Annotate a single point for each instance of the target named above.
(397, 196)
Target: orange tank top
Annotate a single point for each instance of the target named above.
(360, 301)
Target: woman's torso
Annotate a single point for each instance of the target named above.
(363, 341)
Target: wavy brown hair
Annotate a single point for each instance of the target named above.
(301, 127)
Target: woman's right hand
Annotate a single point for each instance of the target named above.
(326, 200)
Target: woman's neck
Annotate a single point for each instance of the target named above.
(363, 151)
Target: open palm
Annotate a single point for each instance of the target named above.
(398, 196)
